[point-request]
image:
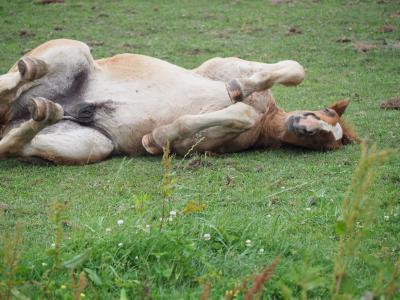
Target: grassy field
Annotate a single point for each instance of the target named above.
(286, 201)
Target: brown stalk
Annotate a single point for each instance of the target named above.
(206, 291)
(261, 279)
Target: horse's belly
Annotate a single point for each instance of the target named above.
(134, 109)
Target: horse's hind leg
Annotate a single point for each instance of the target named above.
(26, 70)
(54, 70)
(69, 143)
(245, 77)
(44, 113)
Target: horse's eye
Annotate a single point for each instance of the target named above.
(305, 115)
(329, 112)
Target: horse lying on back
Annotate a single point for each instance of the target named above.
(59, 104)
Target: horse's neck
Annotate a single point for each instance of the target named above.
(273, 126)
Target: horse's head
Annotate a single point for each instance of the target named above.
(323, 129)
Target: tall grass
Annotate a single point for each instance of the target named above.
(357, 208)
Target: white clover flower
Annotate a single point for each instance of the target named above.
(44, 264)
(268, 216)
(308, 208)
(148, 228)
(207, 237)
(53, 245)
(261, 251)
(108, 229)
(120, 222)
(172, 214)
(120, 244)
(248, 243)
(386, 218)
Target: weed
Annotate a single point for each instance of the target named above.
(11, 258)
(357, 207)
(58, 210)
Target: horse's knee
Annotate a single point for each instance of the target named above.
(294, 72)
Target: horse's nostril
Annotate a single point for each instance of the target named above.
(310, 132)
(302, 130)
(296, 119)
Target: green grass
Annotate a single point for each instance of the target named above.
(285, 201)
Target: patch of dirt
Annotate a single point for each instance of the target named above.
(365, 47)
(4, 207)
(393, 103)
(49, 1)
(95, 43)
(25, 33)
(343, 39)
(387, 28)
(197, 162)
(196, 51)
(277, 2)
(395, 15)
(294, 31)
(249, 30)
(223, 33)
(130, 46)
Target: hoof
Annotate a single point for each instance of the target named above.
(31, 68)
(150, 145)
(234, 91)
(42, 109)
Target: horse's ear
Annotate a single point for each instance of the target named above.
(340, 106)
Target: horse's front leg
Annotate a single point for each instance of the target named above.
(44, 113)
(27, 69)
(232, 120)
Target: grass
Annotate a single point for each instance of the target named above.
(286, 201)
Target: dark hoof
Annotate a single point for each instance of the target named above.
(31, 68)
(234, 91)
(42, 109)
